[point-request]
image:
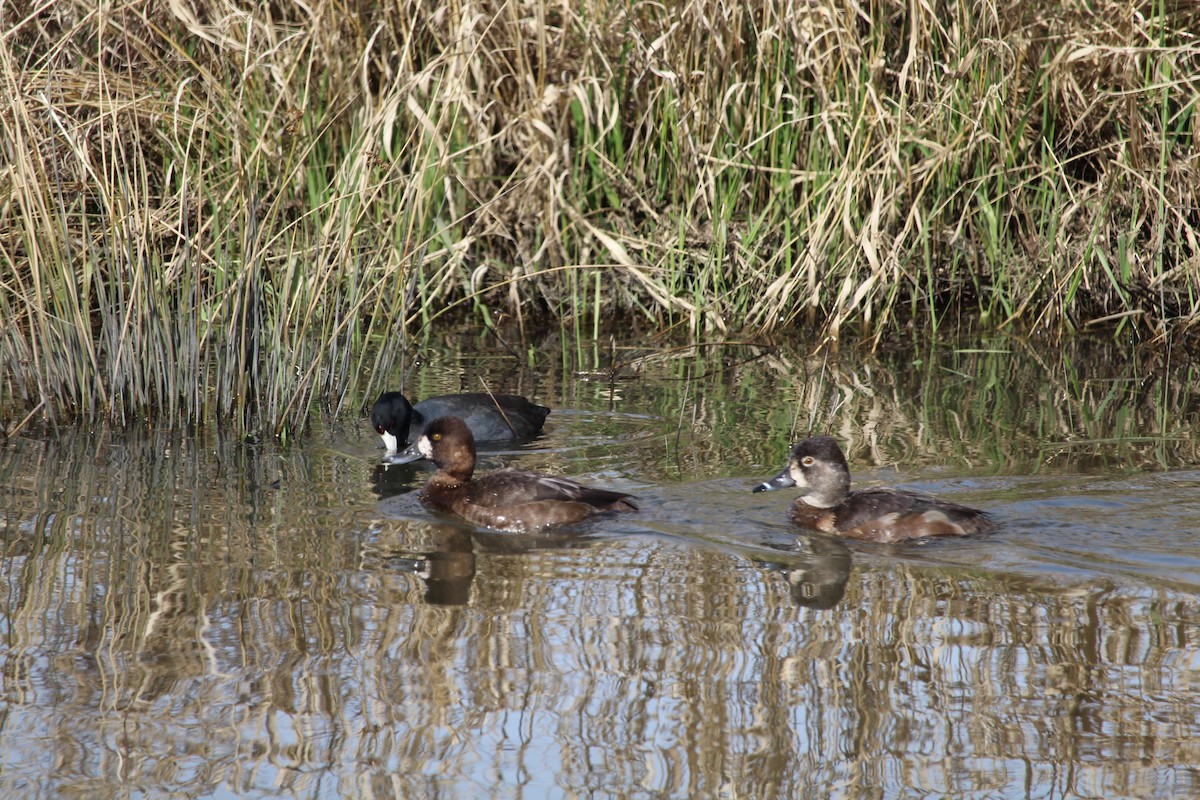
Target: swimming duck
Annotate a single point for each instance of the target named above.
(491, 418)
(507, 499)
(818, 466)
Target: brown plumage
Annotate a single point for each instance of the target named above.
(507, 499)
(818, 466)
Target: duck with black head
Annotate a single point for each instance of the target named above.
(506, 499)
(491, 418)
(818, 466)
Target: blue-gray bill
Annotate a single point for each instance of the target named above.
(405, 456)
(780, 481)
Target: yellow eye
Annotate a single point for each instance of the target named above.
(437, 437)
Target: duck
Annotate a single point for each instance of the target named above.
(818, 466)
(513, 500)
(491, 418)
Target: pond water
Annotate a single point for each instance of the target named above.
(192, 615)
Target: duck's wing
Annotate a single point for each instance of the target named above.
(896, 515)
(510, 487)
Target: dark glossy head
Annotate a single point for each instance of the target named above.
(391, 415)
(818, 467)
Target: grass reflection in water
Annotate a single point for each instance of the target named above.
(196, 615)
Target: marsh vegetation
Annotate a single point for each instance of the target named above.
(244, 211)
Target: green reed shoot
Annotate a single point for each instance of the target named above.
(218, 211)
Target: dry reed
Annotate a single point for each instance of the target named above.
(213, 209)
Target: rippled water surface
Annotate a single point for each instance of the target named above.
(190, 615)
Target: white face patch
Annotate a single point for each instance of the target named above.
(389, 441)
(797, 474)
(425, 446)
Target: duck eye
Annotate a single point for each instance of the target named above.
(808, 461)
(437, 437)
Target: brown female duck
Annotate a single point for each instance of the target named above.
(818, 466)
(507, 499)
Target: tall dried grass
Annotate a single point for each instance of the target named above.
(212, 208)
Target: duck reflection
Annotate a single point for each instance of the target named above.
(816, 570)
(448, 568)
(390, 480)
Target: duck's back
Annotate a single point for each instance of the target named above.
(491, 417)
(891, 515)
(517, 500)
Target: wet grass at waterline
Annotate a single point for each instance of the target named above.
(214, 211)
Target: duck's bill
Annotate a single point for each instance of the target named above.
(780, 481)
(390, 442)
(405, 456)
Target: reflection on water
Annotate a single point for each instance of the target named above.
(194, 616)
(818, 579)
(446, 558)
(447, 570)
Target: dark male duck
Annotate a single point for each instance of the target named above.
(507, 499)
(818, 466)
(491, 418)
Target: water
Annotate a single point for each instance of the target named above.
(197, 616)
